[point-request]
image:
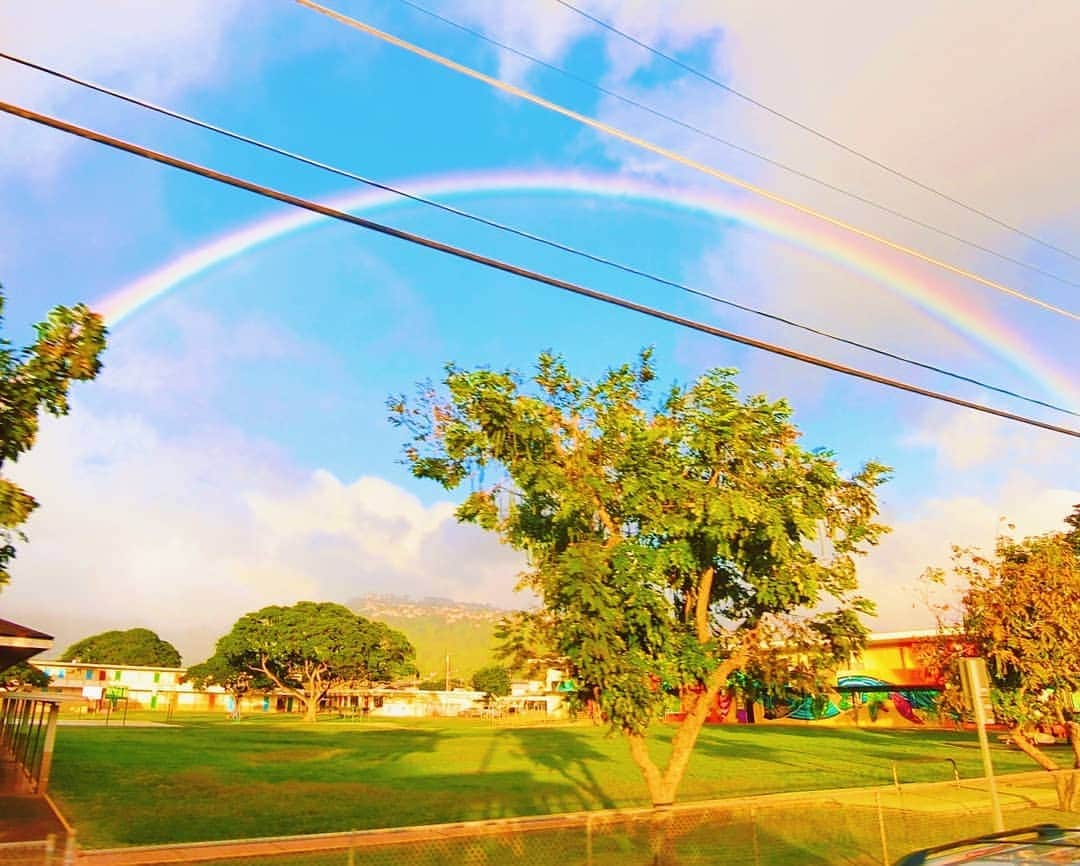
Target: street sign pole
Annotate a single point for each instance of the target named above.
(976, 685)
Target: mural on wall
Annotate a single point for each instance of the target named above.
(907, 702)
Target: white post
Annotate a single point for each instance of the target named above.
(881, 828)
(976, 685)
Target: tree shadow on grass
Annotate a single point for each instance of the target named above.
(566, 754)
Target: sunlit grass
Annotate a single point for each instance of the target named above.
(273, 775)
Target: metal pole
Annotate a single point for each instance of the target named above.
(753, 830)
(47, 752)
(881, 828)
(976, 685)
(71, 849)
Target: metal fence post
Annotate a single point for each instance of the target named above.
(71, 849)
(351, 860)
(50, 849)
(588, 841)
(753, 832)
(881, 827)
(45, 768)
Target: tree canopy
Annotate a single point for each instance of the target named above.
(134, 646)
(1021, 611)
(670, 546)
(67, 348)
(23, 676)
(493, 680)
(310, 648)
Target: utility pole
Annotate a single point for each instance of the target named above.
(976, 686)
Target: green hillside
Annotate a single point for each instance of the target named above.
(437, 627)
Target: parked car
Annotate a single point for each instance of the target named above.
(1041, 845)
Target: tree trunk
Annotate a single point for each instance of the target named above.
(663, 784)
(654, 779)
(1032, 751)
(1066, 783)
(1068, 790)
(1072, 730)
(311, 709)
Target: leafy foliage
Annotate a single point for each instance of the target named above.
(37, 377)
(669, 546)
(1021, 612)
(310, 648)
(216, 671)
(134, 646)
(24, 676)
(493, 680)
(527, 642)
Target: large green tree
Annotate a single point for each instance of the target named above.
(217, 671)
(1021, 611)
(23, 676)
(493, 680)
(133, 646)
(310, 648)
(33, 379)
(670, 546)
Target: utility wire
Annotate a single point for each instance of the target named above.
(254, 142)
(816, 132)
(697, 130)
(507, 267)
(667, 153)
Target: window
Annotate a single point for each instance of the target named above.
(89, 675)
(157, 676)
(101, 675)
(116, 676)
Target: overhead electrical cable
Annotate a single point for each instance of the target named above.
(629, 269)
(509, 268)
(697, 130)
(674, 156)
(611, 28)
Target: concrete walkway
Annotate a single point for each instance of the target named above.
(24, 816)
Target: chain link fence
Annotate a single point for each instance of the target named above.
(854, 827)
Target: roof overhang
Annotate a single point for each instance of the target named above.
(18, 643)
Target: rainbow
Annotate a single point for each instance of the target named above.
(813, 236)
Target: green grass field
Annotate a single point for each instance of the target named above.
(268, 776)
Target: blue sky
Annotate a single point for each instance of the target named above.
(235, 451)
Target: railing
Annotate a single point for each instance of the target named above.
(27, 734)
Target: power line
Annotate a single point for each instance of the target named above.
(254, 142)
(667, 153)
(697, 130)
(506, 267)
(816, 132)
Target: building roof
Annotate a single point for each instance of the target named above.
(919, 634)
(13, 629)
(106, 665)
(19, 642)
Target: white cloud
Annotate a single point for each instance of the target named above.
(924, 533)
(910, 86)
(156, 50)
(963, 440)
(185, 535)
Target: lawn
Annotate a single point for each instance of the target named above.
(267, 776)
